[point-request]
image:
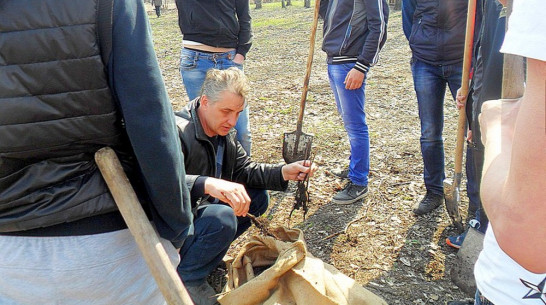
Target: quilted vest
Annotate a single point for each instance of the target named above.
(56, 111)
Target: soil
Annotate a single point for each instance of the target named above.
(378, 241)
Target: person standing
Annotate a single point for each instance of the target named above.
(354, 33)
(217, 34)
(435, 30)
(157, 5)
(62, 238)
(511, 268)
(486, 85)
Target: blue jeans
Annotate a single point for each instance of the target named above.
(215, 227)
(350, 105)
(430, 84)
(193, 68)
(479, 299)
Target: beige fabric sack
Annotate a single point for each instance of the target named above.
(295, 276)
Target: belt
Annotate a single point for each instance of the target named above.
(98, 224)
(213, 55)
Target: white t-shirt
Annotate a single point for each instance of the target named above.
(503, 281)
(526, 35)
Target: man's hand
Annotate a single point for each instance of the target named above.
(298, 170)
(461, 99)
(354, 79)
(229, 192)
(239, 59)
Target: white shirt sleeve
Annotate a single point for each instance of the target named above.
(526, 35)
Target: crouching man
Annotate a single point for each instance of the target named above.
(225, 183)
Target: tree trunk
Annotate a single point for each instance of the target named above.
(288, 2)
(397, 5)
(283, 4)
(307, 3)
(258, 4)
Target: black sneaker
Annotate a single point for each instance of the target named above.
(202, 294)
(341, 172)
(429, 203)
(350, 194)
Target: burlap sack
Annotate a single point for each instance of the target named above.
(295, 276)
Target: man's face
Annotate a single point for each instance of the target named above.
(219, 117)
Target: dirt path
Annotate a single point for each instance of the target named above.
(378, 242)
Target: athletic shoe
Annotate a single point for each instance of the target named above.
(429, 203)
(202, 294)
(341, 172)
(350, 194)
(456, 241)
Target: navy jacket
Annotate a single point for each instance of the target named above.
(435, 29)
(354, 31)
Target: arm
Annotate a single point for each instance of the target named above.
(377, 14)
(408, 9)
(137, 82)
(513, 187)
(245, 31)
(323, 8)
(257, 175)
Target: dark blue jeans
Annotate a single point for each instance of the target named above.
(430, 84)
(215, 227)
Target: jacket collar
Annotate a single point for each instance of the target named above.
(199, 131)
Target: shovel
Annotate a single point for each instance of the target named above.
(297, 144)
(452, 187)
(154, 254)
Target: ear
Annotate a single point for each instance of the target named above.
(204, 101)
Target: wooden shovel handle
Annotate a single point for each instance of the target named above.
(309, 64)
(513, 74)
(467, 60)
(146, 238)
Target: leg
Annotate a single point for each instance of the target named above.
(350, 105)
(215, 227)
(259, 200)
(430, 89)
(243, 130)
(193, 69)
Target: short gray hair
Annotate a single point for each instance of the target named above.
(217, 81)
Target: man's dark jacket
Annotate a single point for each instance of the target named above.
(58, 106)
(435, 29)
(200, 158)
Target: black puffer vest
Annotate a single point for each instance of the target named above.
(56, 111)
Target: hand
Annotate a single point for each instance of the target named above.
(354, 79)
(239, 59)
(460, 99)
(298, 170)
(229, 192)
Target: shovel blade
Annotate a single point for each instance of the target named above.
(452, 199)
(296, 146)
